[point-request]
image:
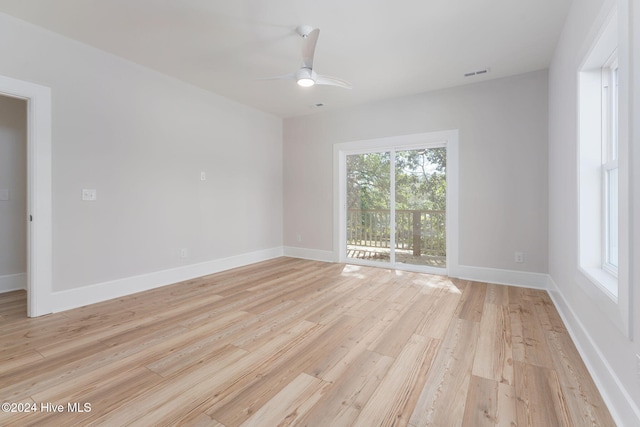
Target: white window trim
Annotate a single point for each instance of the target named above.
(593, 279)
(610, 161)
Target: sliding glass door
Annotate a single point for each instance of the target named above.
(369, 206)
(396, 207)
(420, 206)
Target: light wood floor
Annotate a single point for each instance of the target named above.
(294, 342)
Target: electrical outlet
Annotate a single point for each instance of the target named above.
(89, 195)
(518, 257)
(183, 253)
(299, 238)
(203, 176)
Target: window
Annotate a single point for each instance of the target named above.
(610, 164)
(603, 270)
(598, 164)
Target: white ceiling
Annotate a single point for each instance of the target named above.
(385, 48)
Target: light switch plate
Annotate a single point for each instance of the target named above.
(4, 194)
(89, 195)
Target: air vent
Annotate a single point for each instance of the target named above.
(477, 73)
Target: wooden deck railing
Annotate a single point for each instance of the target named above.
(422, 231)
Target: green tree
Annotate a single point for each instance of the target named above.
(368, 181)
(420, 180)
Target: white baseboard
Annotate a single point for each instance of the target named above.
(478, 274)
(623, 409)
(502, 277)
(311, 254)
(78, 297)
(13, 282)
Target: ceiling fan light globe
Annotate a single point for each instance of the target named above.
(306, 82)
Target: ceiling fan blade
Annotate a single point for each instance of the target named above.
(332, 81)
(290, 76)
(309, 48)
(306, 76)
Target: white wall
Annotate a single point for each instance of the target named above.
(609, 353)
(503, 165)
(141, 140)
(13, 177)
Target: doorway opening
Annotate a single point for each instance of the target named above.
(396, 206)
(397, 202)
(13, 204)
(38, 191)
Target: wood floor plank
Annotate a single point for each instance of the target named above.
(489, 404)
(549, 318)
(14, 361)
(247, 372)
(582, 396)
(123, 329)
(443, 397)
(175, 394)
(333, 373)
(396, 397)
(497, 294)
(472, 302)
(403, 294)
(366, 328)
(297, 342)
(440, 315)
(18, 384)
(292, 402)
(494, 358)
(254, 338)
(398, 333)
(198, 420)
(507, 406)
(105, 394)
(350, 390)
(33, 333)
(481, 407)
(277, 374)
(198, 351)
(529, 343)
(540, 399)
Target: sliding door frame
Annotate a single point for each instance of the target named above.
(448, 139)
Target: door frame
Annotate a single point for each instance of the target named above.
(39, 191)
(447, 138)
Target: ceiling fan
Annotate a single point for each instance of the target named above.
(306, 76)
